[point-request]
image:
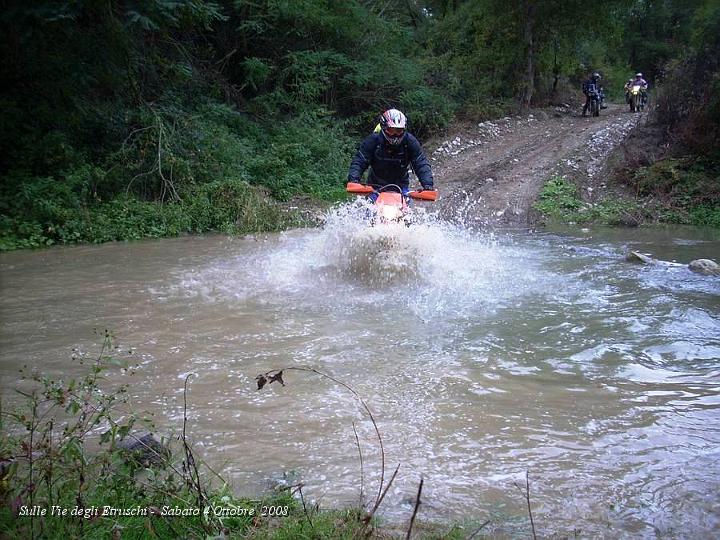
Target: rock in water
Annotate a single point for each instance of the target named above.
(705, 267)
(635, 257)
(144, 449)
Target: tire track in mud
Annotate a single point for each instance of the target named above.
(490, 174)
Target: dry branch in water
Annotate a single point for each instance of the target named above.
(276, 375)
(415, 510)
(526, 494)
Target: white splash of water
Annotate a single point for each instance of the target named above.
(376, 255)
(442, 268)
(432, 269)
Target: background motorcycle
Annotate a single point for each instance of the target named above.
(637, 99)
(593, 95)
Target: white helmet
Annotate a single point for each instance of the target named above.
(638, 75)
(393, 124)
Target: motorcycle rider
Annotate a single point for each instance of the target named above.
(389, 152)
(589, 87)
(639, 81)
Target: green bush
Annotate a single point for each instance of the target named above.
(175, 173)
(558, 197)
(232, 206)
(708, 216)
(686, 189)
(559, 201)
(308, 155)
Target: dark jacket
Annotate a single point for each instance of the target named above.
(589, 85)
(389, 164)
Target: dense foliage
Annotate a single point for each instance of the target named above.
(685, 185)
(128, 118)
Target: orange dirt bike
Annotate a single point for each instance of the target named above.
(391, 205)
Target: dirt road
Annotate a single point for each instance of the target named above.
(490, 174)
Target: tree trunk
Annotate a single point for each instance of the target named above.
(528, 9)
(556, 72)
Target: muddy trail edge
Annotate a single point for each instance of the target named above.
(491, 173)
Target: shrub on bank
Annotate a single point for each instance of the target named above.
(560, 201)
(668, 193)
(217, 171)
(229, 206)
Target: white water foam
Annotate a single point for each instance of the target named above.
(432, 269)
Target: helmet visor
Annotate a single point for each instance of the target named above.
(394, 132)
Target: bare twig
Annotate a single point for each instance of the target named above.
(415, 511)
(382, 496)
(480, 528)
(302, 499)
(225, 58)
(130, 183)
(368, 517)
(166, 183)
(192, 469)
(526, 494)
(30, 458)
(275, 375)
(362, 472)
(135, 132)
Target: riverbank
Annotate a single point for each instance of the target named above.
(643, 183)
(74, 466)
(220, 173)
(515, 171)
(126, 124)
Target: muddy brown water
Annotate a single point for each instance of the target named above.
(482, 357)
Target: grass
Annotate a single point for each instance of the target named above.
(683, 202)
(560, 201)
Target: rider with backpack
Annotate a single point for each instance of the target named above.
(389, 152)
(590, 88)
